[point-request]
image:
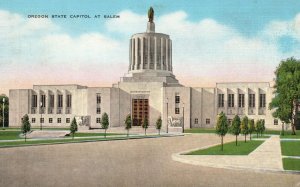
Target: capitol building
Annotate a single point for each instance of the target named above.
(148, 90)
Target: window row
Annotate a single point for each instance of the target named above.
(241, 100)
(207, 121)
(42, 104)
(50, 120)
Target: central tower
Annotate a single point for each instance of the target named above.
(150, 51)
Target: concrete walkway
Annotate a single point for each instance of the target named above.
(267, 157)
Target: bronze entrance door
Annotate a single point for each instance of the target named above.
(140, 111)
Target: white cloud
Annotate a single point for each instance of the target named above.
(278, 28)
(204, 50)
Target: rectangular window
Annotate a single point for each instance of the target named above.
(275, 121)
(177, 99)
(251, 100)
(262, 100)
(98, 120)
(50, 120)
(98, 110)
(51, 102)
(67, 120)
(196, 120)
(230, 100)
(33, 120)
(207, 121)
(34, 101)
(58, 120)
(98, 98)
(41, 120)
(60, 101)
(177, 110)
(43, 101)
(241, 100)
(69, 101)
(220, 100)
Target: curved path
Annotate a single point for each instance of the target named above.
(267, 157)
(144, 162)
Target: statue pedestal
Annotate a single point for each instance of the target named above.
(150, 27)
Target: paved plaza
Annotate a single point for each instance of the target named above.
(144, 162)
(267, 157)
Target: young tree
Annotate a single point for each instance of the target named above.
(287, 92)
(257, 127)
(158, 124)
(244, 127)
(6, 110)
(104, 123)
(145, 124)
(128, 123)
(251, 127)
(73, 127)
(222, 127)
(25, 128)
(235, 127)
(263, 128)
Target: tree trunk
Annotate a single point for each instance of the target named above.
(127, 132)
(105, 133)
(250, 137)
(245, 138)
(294, 115)
(25, 137)
(282, 129)
(145, 131)
(257, 134)
(73, 135)
(158, 131)
(236, 140)
(222, 143)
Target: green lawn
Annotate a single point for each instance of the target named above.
(288, 134)
(200, 130)
(9, 135)
(230, 149)
(291, 164)
(68, 140)
(290, 148)
(263, 136)
(82, 134)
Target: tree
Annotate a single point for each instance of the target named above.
(257, 127)
(244, 127)
(104, 123)
(287, 92)
(73, 127)
(251, 127)
(25, 128)
(235, 127)
(158, 124)
(6, 111)
(263, 128)
(128, 123)
(222, 127)
(145, 124)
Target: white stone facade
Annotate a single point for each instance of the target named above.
(148, 91)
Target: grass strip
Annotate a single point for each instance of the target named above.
(229, 149)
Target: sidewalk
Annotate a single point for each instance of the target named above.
(267, 157)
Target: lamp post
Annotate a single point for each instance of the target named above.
(3, 112)
(41, 104)
(167, 100)
(183, 117)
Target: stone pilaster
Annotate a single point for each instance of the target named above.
(155, 53)
(142, 53)
(136, 54)
(167, 53)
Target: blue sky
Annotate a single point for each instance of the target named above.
(235, 37)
